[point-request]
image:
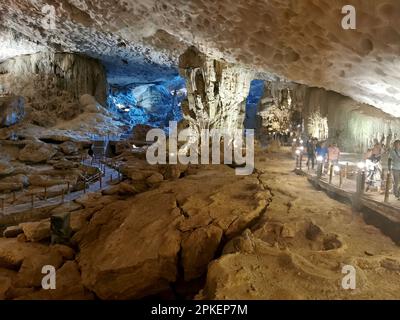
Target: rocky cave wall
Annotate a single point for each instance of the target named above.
(53, 82)
(324, 114)
(278, 108)
(352, 124)
(216, 90)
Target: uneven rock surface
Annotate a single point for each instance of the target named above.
(298, 250)
(132, 249)
(35, 152)
(43, 78)
(216, 92)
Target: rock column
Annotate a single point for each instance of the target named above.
(216, 90)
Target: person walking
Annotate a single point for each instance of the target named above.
(311, 152)
(395, 157)
(333, 154)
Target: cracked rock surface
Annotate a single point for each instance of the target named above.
(298, 250)
(132, 249)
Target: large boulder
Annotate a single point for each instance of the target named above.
(134, 248)
(5, 168)
(136, 252)
(13, 252)
(68, 286)
(17, 178)
(36, 231)
(87, 99)
(11, 110)
(69, 147)
(36, 152)
(90, 105)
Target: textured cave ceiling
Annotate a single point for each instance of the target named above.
(300, 40)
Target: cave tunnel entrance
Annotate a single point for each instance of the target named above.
(151, 104)
(253, 99)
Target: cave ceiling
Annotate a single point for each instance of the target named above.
(299, 40)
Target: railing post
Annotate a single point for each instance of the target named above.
(45, 192)
(346, 170)
(387, 186)
(100, 180)
(32, 200)
(340, 178)
(62, 196)
(2, 204)
(361, 183)
(319, 170)
(330, 173)
(301, 160)
(360, 190)
(68, 187)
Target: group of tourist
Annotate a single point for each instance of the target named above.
(373, 158)
(321, 151)
(330, 153)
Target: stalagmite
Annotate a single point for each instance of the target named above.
(216, 91)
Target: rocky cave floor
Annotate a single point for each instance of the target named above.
(183, 232)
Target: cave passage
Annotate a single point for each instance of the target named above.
(233, 152)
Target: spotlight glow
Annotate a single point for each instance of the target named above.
(361, 165)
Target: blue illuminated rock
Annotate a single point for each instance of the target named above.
(11, 110)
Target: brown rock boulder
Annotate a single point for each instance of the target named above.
(36, 152)
(13, 252)
(6, 168)
(130, 248)
(12, 232)
(68, 286)
(30, 273)
(36, 231)
(198, 249)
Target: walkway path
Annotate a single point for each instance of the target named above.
(93, 187)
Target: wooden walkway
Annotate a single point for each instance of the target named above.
(111, 176)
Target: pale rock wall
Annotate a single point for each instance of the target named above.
(40, 76)
(352, 124)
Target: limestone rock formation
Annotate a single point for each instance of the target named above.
(137, 252)
(5, 168)
(35, 152)
(11, 110)
(36, 231)
(40, 76)
(216, 92)
(301, 41)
